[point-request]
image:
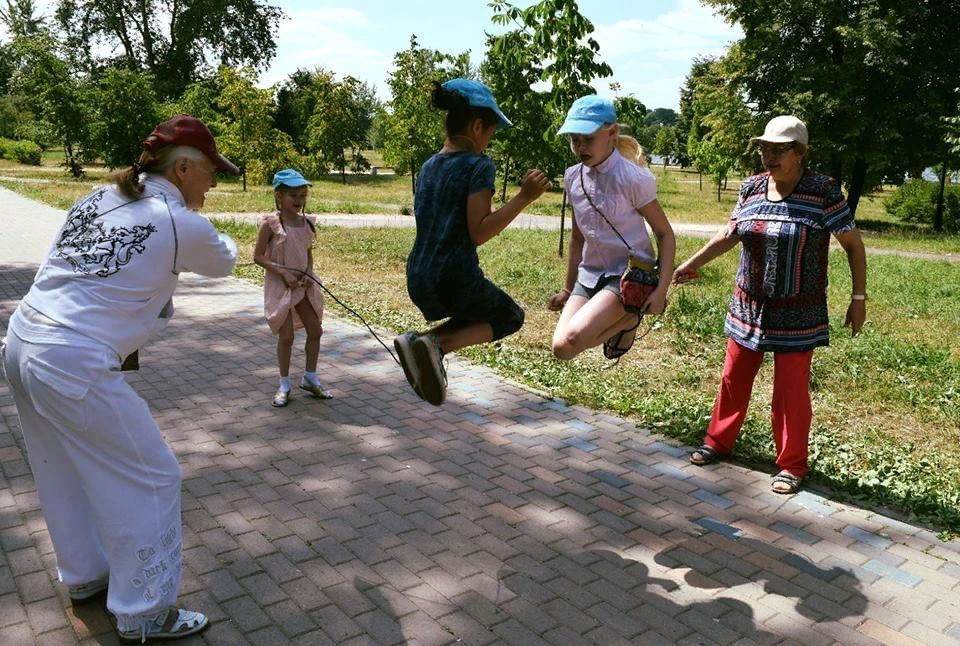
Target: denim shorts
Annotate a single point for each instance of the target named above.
(611, 283)
(479, 301)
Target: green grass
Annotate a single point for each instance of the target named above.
(678, 190)
(887, 403)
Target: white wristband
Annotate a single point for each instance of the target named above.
(858, 297)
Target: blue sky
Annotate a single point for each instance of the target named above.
(648, 43)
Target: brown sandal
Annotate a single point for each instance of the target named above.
(786, 483)
(704, 455)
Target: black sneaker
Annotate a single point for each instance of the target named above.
(404, 347)
(433, 376)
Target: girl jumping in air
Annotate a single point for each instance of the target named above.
(291, 300)
(454, 216)
(613, 200)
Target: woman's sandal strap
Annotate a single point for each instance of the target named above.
(708, 455)
(791, 481)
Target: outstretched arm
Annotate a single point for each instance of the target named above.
(719, 244)
(484, 224)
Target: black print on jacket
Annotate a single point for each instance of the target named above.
(90, 248)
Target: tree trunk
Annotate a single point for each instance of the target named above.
(857, 179)
(75, 169)
(938, 215)
(563, 215)
(243, 174)
(719, 185)
(503, 190)
(700, 175)
(343, 174)
(413, 179)
(836, 168)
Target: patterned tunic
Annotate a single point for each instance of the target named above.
(780, 300)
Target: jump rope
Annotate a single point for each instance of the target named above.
(334, 297)
(636, 338)
(387, 348)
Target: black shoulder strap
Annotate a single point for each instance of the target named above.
(587, 195)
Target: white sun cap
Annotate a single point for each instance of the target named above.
(784, 129)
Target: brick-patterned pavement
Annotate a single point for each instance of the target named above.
(502, 517)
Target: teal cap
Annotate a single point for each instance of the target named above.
(478, 95)
(587, 114)
(289, 177)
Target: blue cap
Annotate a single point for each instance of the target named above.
(587, 114)
(477, 95)
(289, 177)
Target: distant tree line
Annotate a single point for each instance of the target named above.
(875, 82)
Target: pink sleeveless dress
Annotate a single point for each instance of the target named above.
(288, 247)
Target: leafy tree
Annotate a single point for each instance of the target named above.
(174, 40)
(666, 144)
(872, 79)
(722, 122)
(247, 136)
(340, 124)
(661, 116)
(56, 95)
(510, 77)
(297, 100)
(378, 128)
(415, 130)
(632, 114)
(128, 111)
(7, 65)
(21, 18)
(553, 47)
(200, 99)
(685, 120)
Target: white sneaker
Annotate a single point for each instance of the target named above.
(433, 376)
(176, 624)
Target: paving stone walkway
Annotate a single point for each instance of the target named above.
(502, 517)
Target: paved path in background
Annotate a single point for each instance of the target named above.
(552, 223)
(523, 221)
(502, 517)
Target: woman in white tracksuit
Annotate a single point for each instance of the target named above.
(109, 485)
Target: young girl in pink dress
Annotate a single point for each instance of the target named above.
(291, 300)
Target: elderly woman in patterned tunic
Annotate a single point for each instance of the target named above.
(784, 218)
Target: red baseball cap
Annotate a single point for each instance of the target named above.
(184, 130)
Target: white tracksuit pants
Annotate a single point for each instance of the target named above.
(108, 484)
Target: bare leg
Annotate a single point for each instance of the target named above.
(285, 346)
(314, 329)
(585, 324)
(454, 335)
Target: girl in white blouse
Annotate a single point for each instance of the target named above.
(613, 201)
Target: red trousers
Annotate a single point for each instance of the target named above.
(792, 412)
